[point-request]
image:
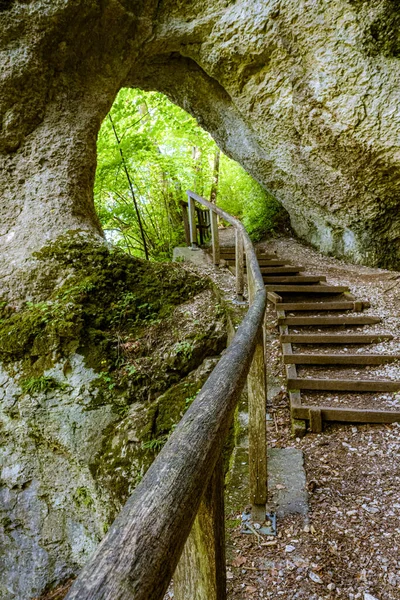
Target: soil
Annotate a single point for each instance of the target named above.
(348, 547)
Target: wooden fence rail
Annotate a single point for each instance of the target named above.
(178, 506)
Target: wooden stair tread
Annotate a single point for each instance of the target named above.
(309, 289)
(339, 359)
(286, 269)
(323, 338)
(318, 306)
(348, 385)
(321, 320)
(293, 278)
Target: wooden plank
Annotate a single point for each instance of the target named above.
(348, 415)
(274, 298)
(295, 398)
(270, 278)
(232, 256)
(320, 320)
(315, 419)
(347, 385)
(201, 571)
(192, 222)
(239, 266)
(305, 338)
(291, 375)
(316, 306)
(340, 359)
(257, 401)
(275, 270)
(308, 289)
(185, 217)
(215, 237)
(272, 262)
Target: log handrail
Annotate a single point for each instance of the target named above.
(138, 556)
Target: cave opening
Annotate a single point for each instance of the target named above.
(149, 152)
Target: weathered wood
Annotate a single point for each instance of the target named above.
(231, 255)
(308, 289)
(270, 278)
(271, 262)
(323, 338)
(257, 403)
(185, 217)
(277, 270)
(348, 385)
(239, 266)
(257, 395)
(215, 237)
(192, 222)
(340, 359)
(295, 398)
(315, 419)
(342, 320)
(140, 552)
(274, 298)
(318, 306)
(348, 415)
(201, 571)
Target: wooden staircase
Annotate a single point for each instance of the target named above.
(294, 293)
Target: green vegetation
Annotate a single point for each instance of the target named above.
(105, 302)
(83, 497)
(149, 153)
(35, 385)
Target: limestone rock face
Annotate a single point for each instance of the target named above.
(306, 95)
(71, 455)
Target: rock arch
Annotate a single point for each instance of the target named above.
(304, 94)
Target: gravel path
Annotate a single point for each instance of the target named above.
(349, 548)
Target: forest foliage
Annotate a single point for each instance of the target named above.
(149, 153)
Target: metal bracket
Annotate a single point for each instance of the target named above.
(269, 527)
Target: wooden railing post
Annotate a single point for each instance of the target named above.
(214, 236)
(185, 218)
(257, 398)
(192, 222)
(239, 266)
(201, 572)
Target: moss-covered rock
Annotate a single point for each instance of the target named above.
(93, 379)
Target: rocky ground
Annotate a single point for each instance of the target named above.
(348, 547)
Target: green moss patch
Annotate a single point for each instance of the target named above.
(106, 299)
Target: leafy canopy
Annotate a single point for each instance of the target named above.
(149, 153)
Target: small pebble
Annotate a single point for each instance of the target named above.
(314, 577)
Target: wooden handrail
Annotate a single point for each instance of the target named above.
(139, 554)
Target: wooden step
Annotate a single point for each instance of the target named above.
(288, 269)
(262, 262)
(231, 254)
(293, 278)
(308, 289)
(338, 338)
(318, 306)
(232, 250)
(344, 385)
(326, 321)
(272, 262)
(339, 359)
